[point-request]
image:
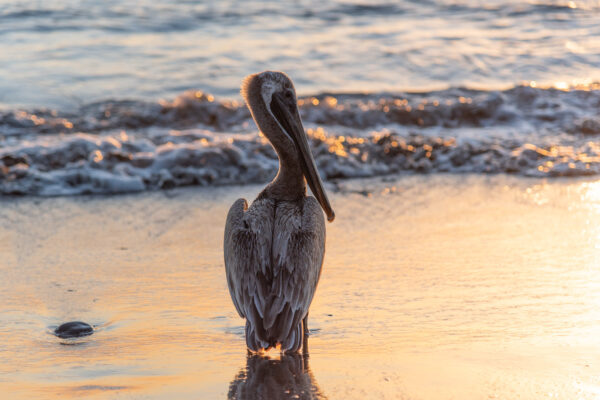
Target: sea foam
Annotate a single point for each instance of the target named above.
(127, 146)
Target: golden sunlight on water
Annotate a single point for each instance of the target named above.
(434, 287)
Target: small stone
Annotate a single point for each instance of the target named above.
(73, 329)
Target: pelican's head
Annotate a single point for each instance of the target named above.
(271, 98)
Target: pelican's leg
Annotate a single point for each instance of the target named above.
(305, 323)
(305, 338)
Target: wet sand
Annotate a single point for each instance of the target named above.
(434, 287)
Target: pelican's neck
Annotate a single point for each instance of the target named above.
(289, 184)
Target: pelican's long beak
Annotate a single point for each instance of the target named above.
(294, 129)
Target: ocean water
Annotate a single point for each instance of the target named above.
(72, 52)
(112, 97)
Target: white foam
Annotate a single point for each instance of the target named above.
(521, 131)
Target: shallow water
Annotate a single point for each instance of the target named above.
(434, 287)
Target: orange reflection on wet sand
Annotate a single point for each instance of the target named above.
(434, 287)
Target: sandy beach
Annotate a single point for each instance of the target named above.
(434, 287)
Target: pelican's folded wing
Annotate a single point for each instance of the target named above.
(247, 248)
(298, 253)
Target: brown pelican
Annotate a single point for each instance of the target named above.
(274, 249)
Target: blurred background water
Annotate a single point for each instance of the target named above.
(60, 53)
(112, 96)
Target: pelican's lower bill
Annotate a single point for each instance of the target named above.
(434, 287)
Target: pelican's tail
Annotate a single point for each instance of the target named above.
(253, 341)
(294, 340)
(290, 344)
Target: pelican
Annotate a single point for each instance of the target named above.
(274, 249)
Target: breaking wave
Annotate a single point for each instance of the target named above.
(128, 146)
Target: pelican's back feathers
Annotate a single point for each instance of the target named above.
(273, 257)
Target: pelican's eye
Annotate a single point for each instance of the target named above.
(289, 95)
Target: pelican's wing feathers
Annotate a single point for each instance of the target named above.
(247, 248)
(298, 250)
(273, 258)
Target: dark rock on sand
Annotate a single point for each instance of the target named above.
(73, 329)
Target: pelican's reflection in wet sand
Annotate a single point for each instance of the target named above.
(265, 378)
